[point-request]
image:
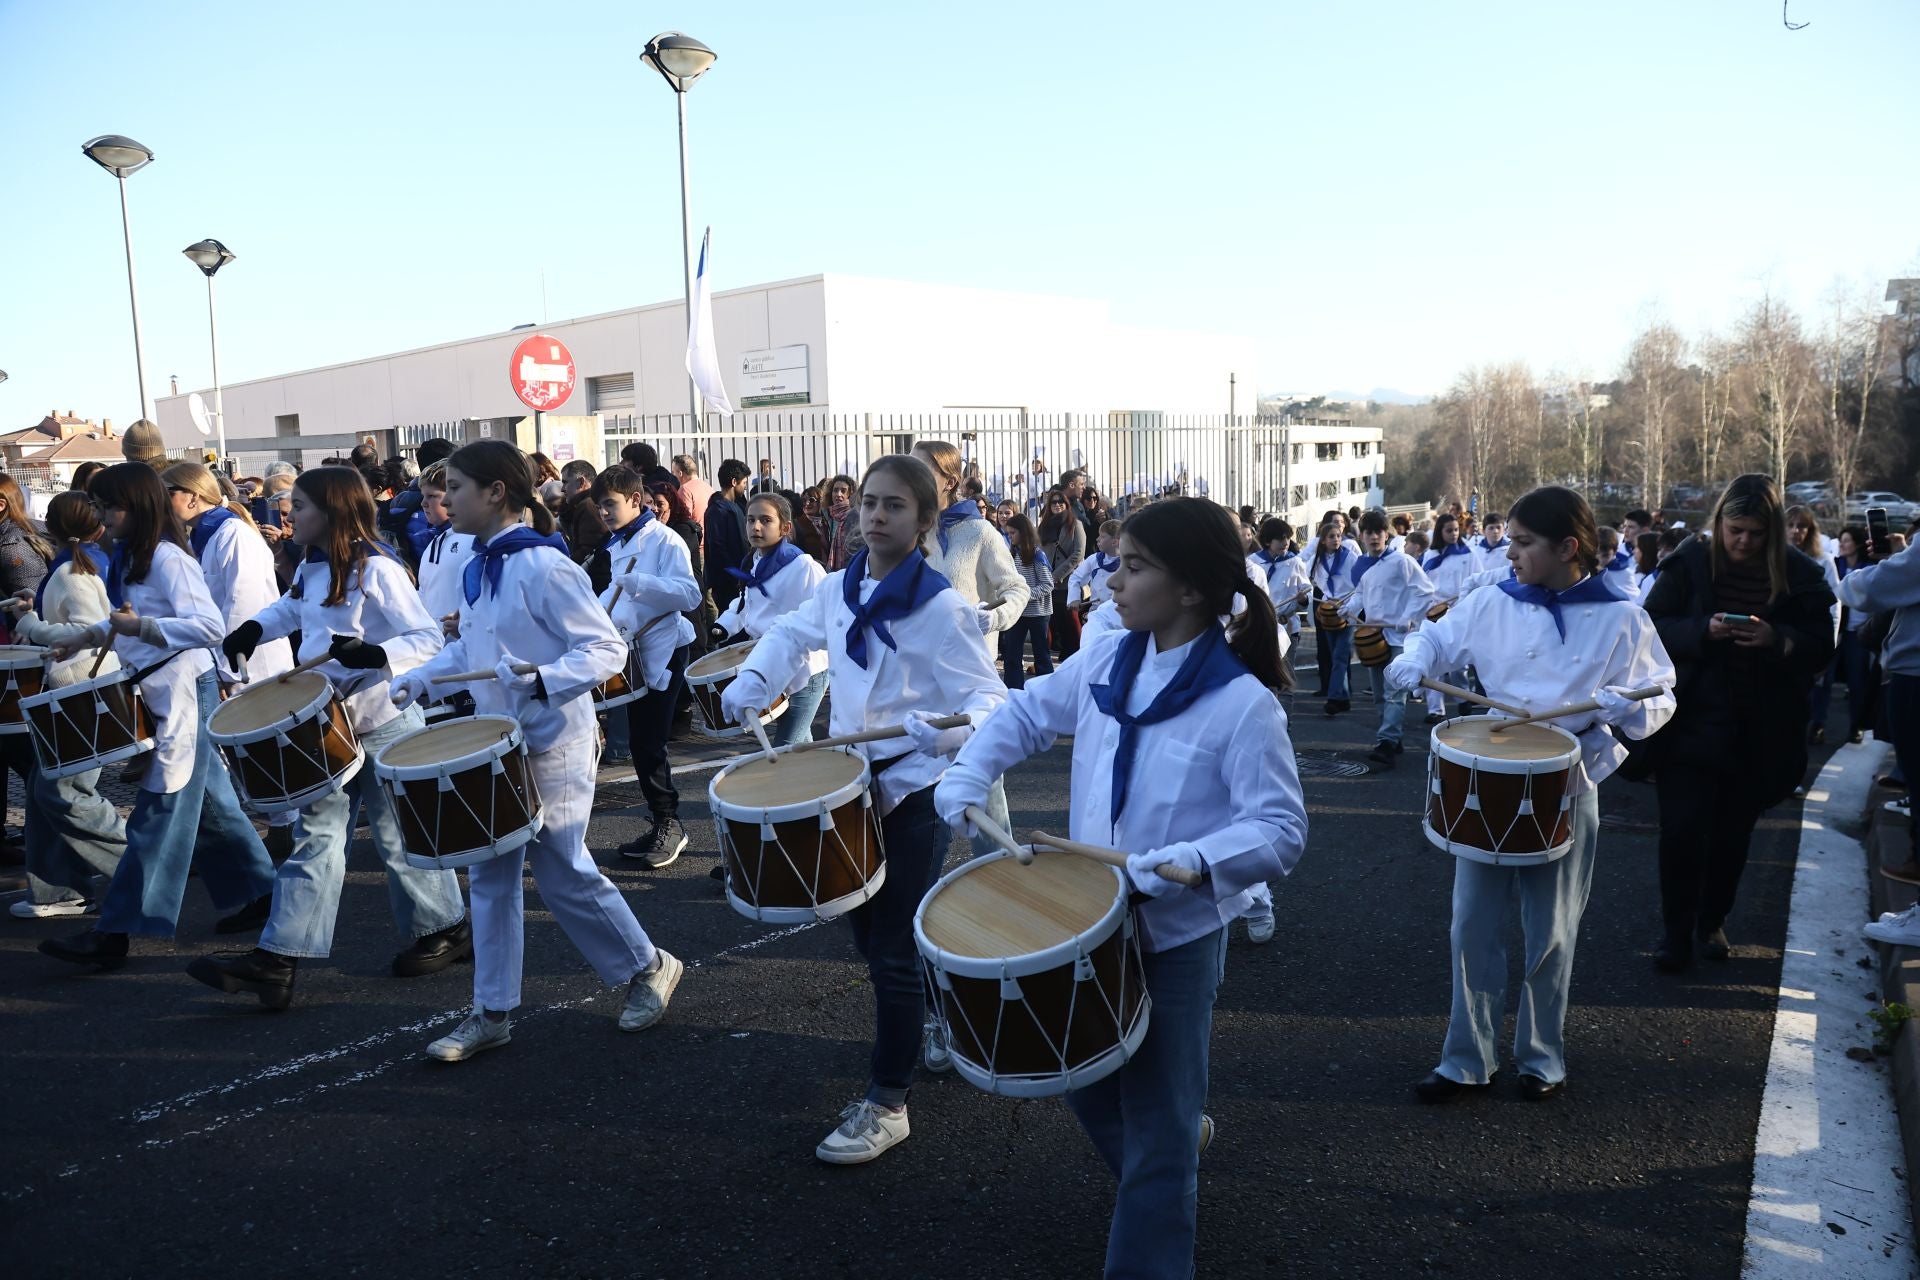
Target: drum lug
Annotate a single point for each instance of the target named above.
(444, 782)
(1010, 989)
(497, 766)
(766, 831)
(826, 820)
(940, 978)
(1525, 807)
(99, 707)
(1083, 969)
(1473, 801)
(281, 739)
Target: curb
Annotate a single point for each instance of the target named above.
(1887, 844)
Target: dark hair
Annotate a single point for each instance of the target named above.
(1492, 517)
(1402, 523)
(1440, 522)
(543, 468)
(1671, 538)
(71, 520)
(20, 513)
(1110, 527)
(1646, 551)
(84, 474)
(1858, 532)
(579, 469)
(363, 457)
(1374, 521)
(438, 449)
(918, 477)
(1417, 538)
(678, 508)
(731, 470)
(943, 459)
(491, 462)
(136, 488)
(1024, 542)
(781, 504)
(640, 456)
(1051, 523)
(1274, 529)
(353, 524)
(853, 487)
(618, 478)
(1640, 516)
(1556, 514)
(1199, 542)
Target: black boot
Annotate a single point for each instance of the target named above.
(435, 951)
(257, 973)
(94, 948)
(248, 918)
(1675, 952)
(1712, 943)
(1434, 1087)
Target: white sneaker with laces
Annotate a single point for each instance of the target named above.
(866, 1129)
(477, 1034)
(1260, 927)
(936, 1055)
(1903, 917)
(648, 993)
(28, 909)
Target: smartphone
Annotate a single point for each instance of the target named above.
(1877, 530)
(1737, 619)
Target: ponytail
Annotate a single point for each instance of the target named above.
(538, 517)
(1200, 543)
(1255, 638)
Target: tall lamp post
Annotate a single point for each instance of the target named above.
(680, 60)
(121, 156)
(210, 256)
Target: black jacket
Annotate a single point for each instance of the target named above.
(1712, 728)
(726, 544)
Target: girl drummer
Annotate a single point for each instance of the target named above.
(901, 644)
(778, 580)
(353, 600)
(1332, 576)
(523, 597)
(162, 626)
(1449, 565)
(1554, 634)
(1181, 755)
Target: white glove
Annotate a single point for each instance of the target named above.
(511, 680)
(1615, 706)
(1142, 867)
(748, 693)
(629, 584)
(935, 742)
(983, 617)
(957, 790)
(1403, 673)
(408, 688)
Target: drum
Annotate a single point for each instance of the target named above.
(89, 724)
(626, 685)
(708, 678)
(23, 673)
(1499, 795)
(798, 835)
(1439, 611)
(1326, 616)
(462, 789)
(1035, 971)
(287, 742)
(1371, 647)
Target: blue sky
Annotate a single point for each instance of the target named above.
(1379, 193)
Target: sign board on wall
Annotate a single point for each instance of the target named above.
(773, 377)
(542, 372)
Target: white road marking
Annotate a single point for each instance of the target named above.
(1827, 1151)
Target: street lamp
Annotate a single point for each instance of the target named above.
(210, 256)
(680, 60)
(122, 156)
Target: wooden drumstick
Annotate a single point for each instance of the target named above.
(998, 834)
(760, 733)
(1468, 695)
(853, 739)
(1114, 858)
(318, 660)
(1576, 708)
(462, 677)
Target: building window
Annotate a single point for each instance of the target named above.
(1357, 484)
(1327, 452)
(1362, 448)
(1300, 455)
(286, 425)
(610, 394)
(1299, 493)
(1329, 489)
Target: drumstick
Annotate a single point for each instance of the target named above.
(318, 660)
(519, 669)
(1576, 708)
(877, 735)
(1468, 695)
(998, 834)
(106, 648)
(1114, 858)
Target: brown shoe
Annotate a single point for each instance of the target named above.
(1907, 872)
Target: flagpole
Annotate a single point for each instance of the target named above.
(686, 246)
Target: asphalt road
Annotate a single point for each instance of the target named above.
(156, 1128)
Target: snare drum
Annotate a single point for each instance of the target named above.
(798, 835)
(1499, 795)
(1326, 616)
(628, 684)
(462, 790)
(23, 673)
(709, 677)
(1371, 647)
(1035, 970)
(287, 742)
(1439, 611)
(88, 725)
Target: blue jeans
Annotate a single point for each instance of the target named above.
(72, 832)
(1903, 719)
(1392, 702)
(882, 926)
(1339, 646)
(797, 724)
(306, 893)
(166, 832)
(1013, 645)
(1144, 1119)
(1552, 897)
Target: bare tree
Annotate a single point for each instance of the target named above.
(1719, 375)
(1655, 380)
(1851, 359)
(1773, 344)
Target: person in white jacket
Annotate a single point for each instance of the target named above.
(72, 832)
(778, 579)
(1393, 593)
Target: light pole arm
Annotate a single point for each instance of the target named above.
(219, 406)
(686, 250)
(133, 298)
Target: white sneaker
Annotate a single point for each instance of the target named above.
(1908, 916)
(1902, 930)
(28, 909)
(1260, 927)
(936, 1055)
(476, 1035)
(648, 993)
(866, 1129)
(1206, 1132)
(1901, 808)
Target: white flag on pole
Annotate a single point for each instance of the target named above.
(703, 358)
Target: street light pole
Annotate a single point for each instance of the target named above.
(133, 298)
(680, 60)
(686, 255)
(121, 156)
(210, 256)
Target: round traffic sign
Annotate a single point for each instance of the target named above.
(541, 370)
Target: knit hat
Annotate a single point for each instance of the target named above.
(142, 442)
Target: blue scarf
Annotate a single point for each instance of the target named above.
(318, 555)
(483, 570)
(92, 551)
(624, 534)
(1589, 590)
(1621, 560)
(1494, 546)
(1439, 557)
(1272, 564)
(1334, 564)
(912, 583)
(1209, 664)
(770, 563)
(117, 564)
(203, 529)
(953, 515)
(1101, 564)
(1366, 563)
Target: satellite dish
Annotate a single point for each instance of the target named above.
(197, 410)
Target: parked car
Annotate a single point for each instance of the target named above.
(1810, 492)
(1686, 496)
(1898, 508)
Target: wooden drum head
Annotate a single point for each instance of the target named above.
(269, 702)
(1485, 737)
(439, 743)
(1000, 909)
(788, 779)
(720, 662)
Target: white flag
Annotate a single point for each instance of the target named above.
(703, 359)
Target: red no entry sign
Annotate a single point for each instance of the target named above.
(541, 371)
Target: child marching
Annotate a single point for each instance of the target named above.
(778, 579)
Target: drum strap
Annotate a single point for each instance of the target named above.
(144, 672)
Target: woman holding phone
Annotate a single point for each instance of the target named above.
(1746, 619)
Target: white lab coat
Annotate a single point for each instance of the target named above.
(653, 576)
(238, 567)
(754, 612)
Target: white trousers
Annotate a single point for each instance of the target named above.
(590, 910)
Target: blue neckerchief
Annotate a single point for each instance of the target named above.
(1494, 546)
(1271, 564)
(912, 583)
(1591, 589)
(1648, 580)
(93, 553)
(1101, 564)
(624, 534)
(1209, 664)
(1366, 563)
(770, 563)
(489, 557)
(1840, 566)
(1334, 564)
(1439, 557)
(318, 555)
(203, 528)
(117, 575)
(966, 509)
(1621, 560)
